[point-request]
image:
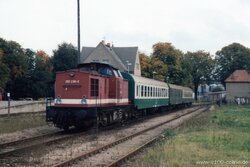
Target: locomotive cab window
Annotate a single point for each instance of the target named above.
(105, 71)
(119, 74)
(116, 73)
(94, 87)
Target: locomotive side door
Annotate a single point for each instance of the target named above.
(118, 91)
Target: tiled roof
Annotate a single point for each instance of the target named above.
(239, 76)
(123, 53)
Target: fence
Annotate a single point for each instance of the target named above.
(22, 107)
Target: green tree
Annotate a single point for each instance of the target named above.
(230, 58)
(172, 57)
(200, 65)
(145, 65)
(16, 61)
(65, 57)
(4, 72)
(158, 69)
(152, 67)
(42, 75)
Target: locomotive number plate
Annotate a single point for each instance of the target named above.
(72, 81)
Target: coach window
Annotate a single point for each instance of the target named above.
(147, 91)
(94, 87)
(150, 92)
(137, 90)
(142, 89)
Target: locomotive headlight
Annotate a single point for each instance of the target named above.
(71, 74)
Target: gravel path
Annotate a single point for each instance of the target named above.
(27, 133)
(55, 153)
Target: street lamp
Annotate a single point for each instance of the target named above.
(154, 74)
(167, 78)
(128, 64)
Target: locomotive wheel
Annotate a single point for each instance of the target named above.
(66, 128)
(103, 119)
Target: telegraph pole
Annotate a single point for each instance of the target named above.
(78, 28)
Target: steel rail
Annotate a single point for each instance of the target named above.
(16, 148)
(112, 144)
(138, 149)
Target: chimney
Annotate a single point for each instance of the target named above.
(108, 45)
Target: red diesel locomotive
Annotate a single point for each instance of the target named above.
(90, 91)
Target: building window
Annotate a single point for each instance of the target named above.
(94, 87)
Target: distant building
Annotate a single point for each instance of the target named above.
(238, 85)
(122, 58)
(205, 91)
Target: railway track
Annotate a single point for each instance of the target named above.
(115, 152)
(43, 144)
(15, 147)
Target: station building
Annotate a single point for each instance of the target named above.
(122, 58)
(238, 86)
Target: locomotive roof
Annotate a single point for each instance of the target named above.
(97, 63)
(148, 81)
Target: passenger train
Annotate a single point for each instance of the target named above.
(96, 93)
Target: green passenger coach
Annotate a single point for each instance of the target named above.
(147, 93)
(180, 95)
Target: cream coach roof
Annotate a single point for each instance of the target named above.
(179, 87)
(147, 81)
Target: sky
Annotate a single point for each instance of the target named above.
(190, 25)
